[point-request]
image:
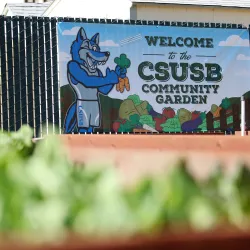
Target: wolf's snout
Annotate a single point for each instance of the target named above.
(107, 54)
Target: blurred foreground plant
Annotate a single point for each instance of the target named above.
(43, 195)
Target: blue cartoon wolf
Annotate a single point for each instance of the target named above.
(88, 82)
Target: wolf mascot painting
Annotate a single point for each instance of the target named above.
(88, 81)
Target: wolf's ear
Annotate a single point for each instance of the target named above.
(95, 38)
(81, 35)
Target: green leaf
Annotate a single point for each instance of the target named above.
(43, 195)
(122, 61)
(134, 119)
(226, 104)
(148, 120)
(135, 98)
(203, 215)
(203, 116)
(171, 125)
(203, 126)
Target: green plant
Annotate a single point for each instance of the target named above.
(43, 195)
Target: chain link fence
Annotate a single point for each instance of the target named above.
(29, 71)
(29, 87)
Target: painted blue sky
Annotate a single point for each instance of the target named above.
(231, 48)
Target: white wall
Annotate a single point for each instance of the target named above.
(121, 9)
(91, 9)
(193, 14)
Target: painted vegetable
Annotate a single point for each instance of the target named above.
(148, 120)
(195, 114)
(168, 112)
(123, 63)
(230, 119)
(126, 83)
(134, 119)
(135, 98)
(203, 115)
(122, 84)
(127, 108)
(184, 115)
(118, 86)
(123, 121)
(126, 127)
(217, 124)
(116, 126)
(203, 126)
(158, 122)
(153, 113)
(225, 104)
(214, 107)
(191, 125)
(142, 108)
(171, 125)
(217, 112)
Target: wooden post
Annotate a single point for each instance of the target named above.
(67, 101)
(236, 117)
(106, 115)
(114, 113)
(210, 121)
(223, 120)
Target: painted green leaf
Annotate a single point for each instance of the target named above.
(216, 124)
(135, 98)
(122, 61)
(230, 119)
(226, 104)
(172, 125)
(148, 120)
(203, 126)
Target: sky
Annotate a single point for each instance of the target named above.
(92, 9)
(231, 51)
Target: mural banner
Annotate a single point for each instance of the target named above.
(118, 77)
